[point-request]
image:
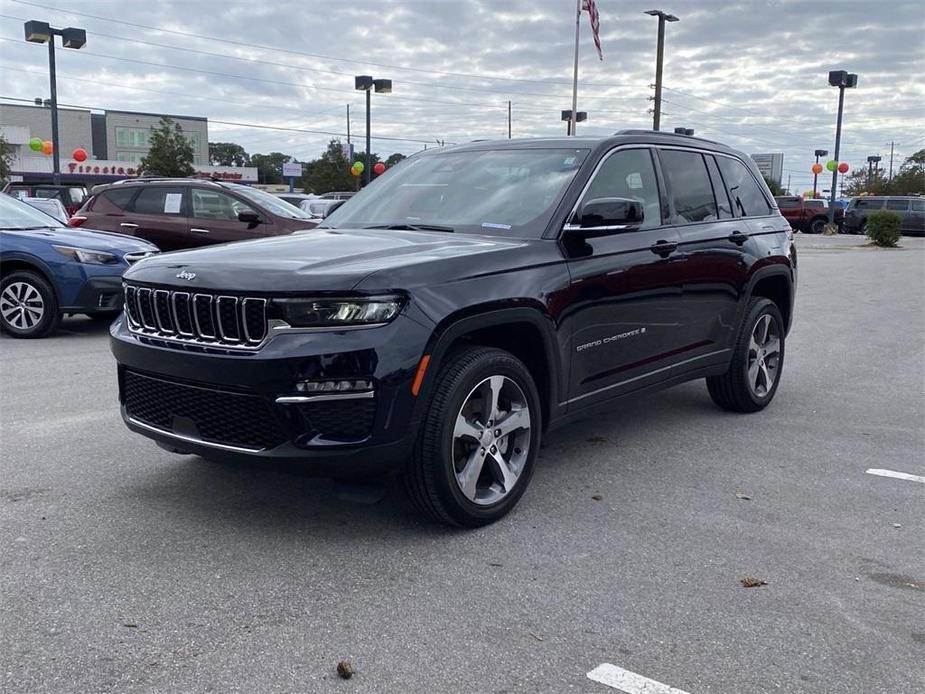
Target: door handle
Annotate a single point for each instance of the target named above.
(663, 248)
(128, 225)
(197, 230)
(738, 237)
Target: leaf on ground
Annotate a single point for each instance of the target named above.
(743, 497)
(345, 670)
(597, 439)
(130, 625)
(597, 497)
(538, 638)
(752, 582)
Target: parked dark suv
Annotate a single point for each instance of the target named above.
(910, 208)
(175, 213)
(462, 304)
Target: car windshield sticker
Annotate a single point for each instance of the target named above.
(492, 225)
(172, 203)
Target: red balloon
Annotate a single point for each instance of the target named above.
(80, 154)
(843, 168)
(379, 168)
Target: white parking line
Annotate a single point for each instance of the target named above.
(629, 682)
(898, 475)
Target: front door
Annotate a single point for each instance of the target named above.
(625, 295)
(214, 218)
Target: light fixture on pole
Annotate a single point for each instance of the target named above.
(365, 83)
(567, 117)
(818, 153)
(873, 162)
(843, 80)
(659, 60)
(42, 32)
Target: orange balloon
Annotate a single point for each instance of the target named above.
(47, 147)
(817, 168)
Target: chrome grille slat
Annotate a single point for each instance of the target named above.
(198, 319)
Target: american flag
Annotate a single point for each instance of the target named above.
(591, 8)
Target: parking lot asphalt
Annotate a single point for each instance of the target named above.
(128, 569)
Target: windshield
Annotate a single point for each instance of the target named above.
(511, 192)
(276, 205)
(18, 215)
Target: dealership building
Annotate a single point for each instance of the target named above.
(115, 142)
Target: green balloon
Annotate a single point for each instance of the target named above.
(358, 165)
(35, 144)
(831, 165)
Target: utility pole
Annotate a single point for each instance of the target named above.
(572, 124)
(348, 127)
(891, 160)
(659, 60)
(509, 127)
(788, 184)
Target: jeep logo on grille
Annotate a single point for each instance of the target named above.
(185, 275)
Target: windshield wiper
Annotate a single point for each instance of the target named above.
(47, 226)
(410, 227)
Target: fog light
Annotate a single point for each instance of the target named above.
(344, 386)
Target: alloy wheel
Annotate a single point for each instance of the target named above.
(763, 356)
(491, 440)
(21, 305)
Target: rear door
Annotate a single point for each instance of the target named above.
(917, 217)
(711, 253)
(214, 218)
(625, 314)
(158, 214)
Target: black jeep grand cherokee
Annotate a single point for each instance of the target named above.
(462, 304)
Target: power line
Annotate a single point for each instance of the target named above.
(305, 53)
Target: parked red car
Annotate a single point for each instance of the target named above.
(806, 214)
(71, 196)
(177, 213)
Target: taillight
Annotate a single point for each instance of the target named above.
(76, 221)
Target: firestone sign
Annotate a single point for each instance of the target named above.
(115, 168)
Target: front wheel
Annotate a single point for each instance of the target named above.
(757, 361)
(28, 307)
(476, 449)
(817, 225)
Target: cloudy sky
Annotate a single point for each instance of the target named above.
(752, 74)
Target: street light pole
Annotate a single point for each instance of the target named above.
(42, 32)
(819, 153)
(368, 84)
(366, 171)
(659, 60)
(843, 80)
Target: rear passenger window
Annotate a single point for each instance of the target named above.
(747, 197)
(120, 197)
(918, 205)
(629, 173)
(688, 186)
(870, 204)
(159, 200)
(901, 205)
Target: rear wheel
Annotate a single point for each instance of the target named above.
(817, 224)
(757, 361)
(476, 449)
(28, 307)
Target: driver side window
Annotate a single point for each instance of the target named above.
(208, 204)
(629, 173)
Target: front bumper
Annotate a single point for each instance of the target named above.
(225, 405)
(99, 294)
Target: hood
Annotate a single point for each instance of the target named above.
(85, 238)
(322, 260)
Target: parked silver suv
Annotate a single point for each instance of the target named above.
(910, 207)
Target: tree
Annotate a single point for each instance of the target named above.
(270, 166)
(394, 159)
(170, 152)
(7, 156)
(331, 171)
(228, 154)
(910, 180)
(774, 186)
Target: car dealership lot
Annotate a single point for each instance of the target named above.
(125, 568)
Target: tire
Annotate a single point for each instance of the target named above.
(744, 387)
(452, 439)
(28, 307)
(817, 224)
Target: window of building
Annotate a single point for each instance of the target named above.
(747, 197)
(630, 174)
(132, 137)
(689, 186)
(133, 157)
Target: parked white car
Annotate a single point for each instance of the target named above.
(49, 206)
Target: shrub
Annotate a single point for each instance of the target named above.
(884, 227)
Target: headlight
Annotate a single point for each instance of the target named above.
(334, 312)
(82, 255)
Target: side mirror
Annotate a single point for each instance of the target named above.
(333, 206)
(250, 218)
(604, 216)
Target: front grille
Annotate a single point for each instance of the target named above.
(340, 420)
(205, 413)
(197, 318)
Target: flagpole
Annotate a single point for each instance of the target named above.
(574, 119)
